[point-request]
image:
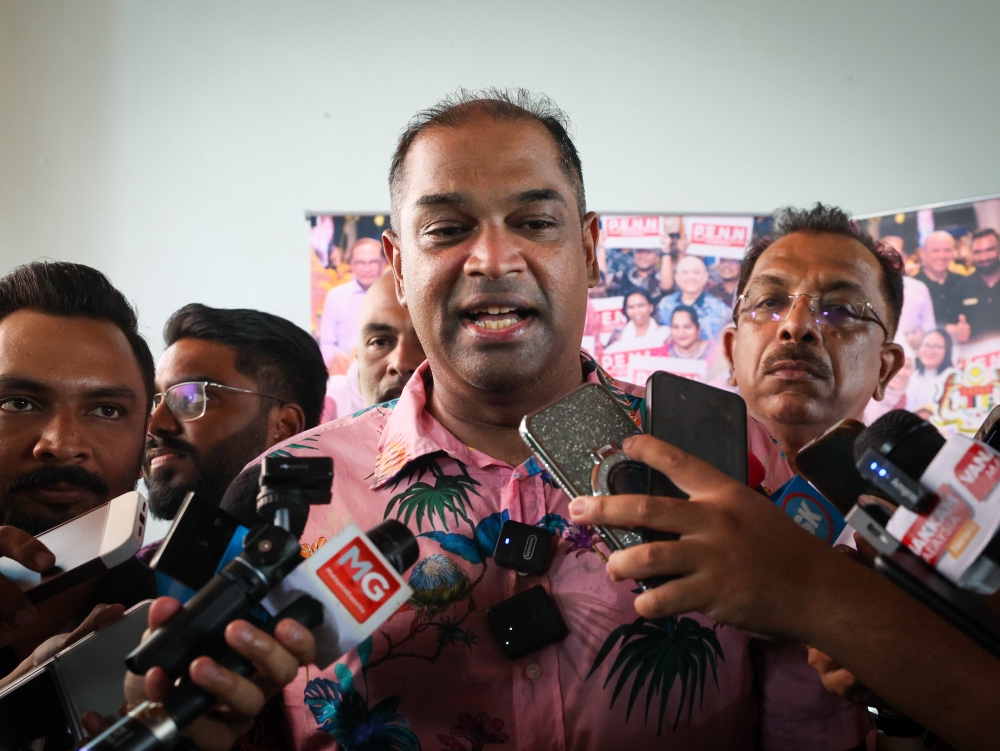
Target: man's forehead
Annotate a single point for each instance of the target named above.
(196, 359)
(818, 261)
(484, 159)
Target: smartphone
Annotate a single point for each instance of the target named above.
(703, 421)
(87, 676)
(84, 547)
(828, 463)
(578, 440)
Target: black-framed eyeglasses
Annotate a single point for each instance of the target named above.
(188, 401)
(831, 309)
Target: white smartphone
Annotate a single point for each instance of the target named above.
(88, 676)
(84, 547)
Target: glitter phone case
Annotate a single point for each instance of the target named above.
(578, 440)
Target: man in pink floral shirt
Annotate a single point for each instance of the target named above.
(493, 254)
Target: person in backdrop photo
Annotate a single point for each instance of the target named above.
(917, 316)
(932, 368)
(231, 384)
(691, 278)
(946, 288)
(895, 393)
(642, 331)
(492, 251)
(645, 274)
(686, 343)
(338, 331)
(728, 270)
(980, 294)
(388, 354)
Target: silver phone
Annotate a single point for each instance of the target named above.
(578, 440)
(84, 546)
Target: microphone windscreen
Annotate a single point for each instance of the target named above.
(904, 438)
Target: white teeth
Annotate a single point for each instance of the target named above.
(494, 325)
(497, 311)
(493, 311)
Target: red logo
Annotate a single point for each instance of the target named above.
(358, 579)
(724, 235)
(928, 536)
(979, 471)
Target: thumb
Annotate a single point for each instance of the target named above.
(961, 318)
(690, 474)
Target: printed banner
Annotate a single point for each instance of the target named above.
(719, 236)
(634, 231)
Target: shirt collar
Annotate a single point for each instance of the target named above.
(411, 432)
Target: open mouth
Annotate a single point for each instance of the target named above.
(497, 318)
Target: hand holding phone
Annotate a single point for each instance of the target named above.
(16, 610)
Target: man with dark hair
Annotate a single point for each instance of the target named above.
(980, 294)
(231, 384)
(644, 274)
(492, 251)
(76, 382)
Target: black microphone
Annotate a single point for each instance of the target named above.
(948, 493)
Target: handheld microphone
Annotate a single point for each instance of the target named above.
(947, 492)
(343, 592)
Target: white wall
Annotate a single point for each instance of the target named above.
(176, 145)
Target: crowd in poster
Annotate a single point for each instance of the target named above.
(668, 288)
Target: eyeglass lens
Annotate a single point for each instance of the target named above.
(775, 305)
(186, 400)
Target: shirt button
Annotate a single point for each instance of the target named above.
(533, 671)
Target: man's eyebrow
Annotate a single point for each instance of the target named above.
(439, 199)
(378, 328)
(540, 194)
(111, 392)
(20, 383)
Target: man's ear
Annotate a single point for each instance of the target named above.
(591, 235)
(390, 244)
(286, 421)
(892, 360)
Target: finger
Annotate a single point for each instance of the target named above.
(297, 639)
(156, 685)
(16, 610)
(100, 616)
(690, 474)
(162, 609)
(271, 659)
(25, 549)
(235, 691)
(92, 723)
(684, 595)
(652, 559)
(666, 514)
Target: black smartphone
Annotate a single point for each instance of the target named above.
(828, 463)
(704, 421)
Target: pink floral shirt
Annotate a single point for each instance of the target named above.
(434, 677)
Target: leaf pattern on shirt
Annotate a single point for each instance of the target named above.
(634, 405)
(448, 495)
(663, 651)
(478, 731)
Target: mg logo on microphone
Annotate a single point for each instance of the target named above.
(979, 471)
(357, 578)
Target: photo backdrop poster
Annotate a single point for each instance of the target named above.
(668, 287)
(950, 325)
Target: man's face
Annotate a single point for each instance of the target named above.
(644, 259)
(938, 251)
(729, 269)
(796, 372)
(72, 417)
(491, 257)
(691, 275)
(206, 454)
(986, 254)
(367, 262)
(388, 348)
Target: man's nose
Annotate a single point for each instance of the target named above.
(406, 356)
(64, 439)
(162, 420)
(494, 253)
(800, 323)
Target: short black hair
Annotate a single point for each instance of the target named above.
(686, 309)
(636, 291)
(822, 219)
(72, 290)
(501, 104)
(985, 232)
(280, 357)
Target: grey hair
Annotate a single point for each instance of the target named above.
(500, 104)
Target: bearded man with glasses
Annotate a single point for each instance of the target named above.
(231, 384)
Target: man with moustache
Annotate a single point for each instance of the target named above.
(493, 252)
(76, 385)
(230, 384)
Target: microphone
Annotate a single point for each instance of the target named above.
(947, 493)
(343, 592)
